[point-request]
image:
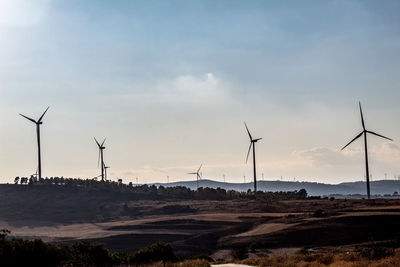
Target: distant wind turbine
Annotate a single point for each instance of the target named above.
(101, 148)
(198, 176)
(105, 171)
(38, 122)
(365, 132)
(35, 175)
(252, 144)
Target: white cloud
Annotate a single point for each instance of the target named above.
(179, 92)
(389, 152)
(190, 89)
(324, 156)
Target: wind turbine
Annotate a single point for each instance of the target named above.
(105, 171)
(35, 175)
(198, 176)
(365, 132)
(101, 148)
(252, 144)
(38, 122)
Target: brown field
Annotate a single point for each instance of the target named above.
(221, 229)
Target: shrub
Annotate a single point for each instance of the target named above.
(156, 252)
(376, 253)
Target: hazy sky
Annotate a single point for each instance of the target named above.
(169, 83)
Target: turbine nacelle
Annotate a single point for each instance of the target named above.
(39, 121)
(101, 146)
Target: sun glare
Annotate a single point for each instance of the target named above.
(22, 13)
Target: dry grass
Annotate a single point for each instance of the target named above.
(186, 263)
(190, 263)
(352, 259)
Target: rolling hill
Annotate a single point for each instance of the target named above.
(378, 188)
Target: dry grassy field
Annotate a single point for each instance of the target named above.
(264, 233)
(223, 230)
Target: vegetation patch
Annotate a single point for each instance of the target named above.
(348, 259)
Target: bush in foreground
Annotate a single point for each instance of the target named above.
(185, 263)
(20, 252)
(349, 259)
(154, 253)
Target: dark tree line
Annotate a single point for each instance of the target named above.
(20, 252)
(153, 192)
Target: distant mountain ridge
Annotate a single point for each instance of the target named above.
(380, 187)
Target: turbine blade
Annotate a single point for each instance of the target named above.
(32, 120)
(103, 141)
(251, 138)
(200, 167)
(353, 140)
(41, 117)
(248, 152)
(98, 160)
(257, 139)
(192, 172)
(97, 142)
(380, 135)
(362, 118)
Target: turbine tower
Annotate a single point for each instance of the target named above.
(365, 132)
(198, 176)
(101, 148)
(38, 122)
(252, 144)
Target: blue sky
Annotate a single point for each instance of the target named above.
(169, 83)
